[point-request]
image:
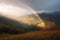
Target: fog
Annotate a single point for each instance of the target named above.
(38, 5)
(17, 8)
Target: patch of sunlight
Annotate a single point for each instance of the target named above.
(41, 25)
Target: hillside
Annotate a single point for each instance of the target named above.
(15, 30)
(52, 17)
(12, 26)
(37, 35)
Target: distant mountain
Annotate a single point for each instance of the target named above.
(12, 26)
(49, 17)
(54, 16)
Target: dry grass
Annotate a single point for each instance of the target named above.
(37, 35)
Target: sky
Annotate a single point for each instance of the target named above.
(44, 5)
(38, 5)
(14, 9)
(18, 8)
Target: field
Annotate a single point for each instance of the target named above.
(37, 35)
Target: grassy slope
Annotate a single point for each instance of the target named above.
(37, 35)
(12, 26)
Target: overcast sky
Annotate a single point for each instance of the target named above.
(38, 5)
(16, 8)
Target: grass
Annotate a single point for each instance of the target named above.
(9, 29)
(37, 35)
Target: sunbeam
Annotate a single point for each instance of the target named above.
(14, 12)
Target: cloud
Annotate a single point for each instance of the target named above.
(47, 5)
(38, 5)
(44, 5)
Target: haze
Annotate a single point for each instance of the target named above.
(17, 8)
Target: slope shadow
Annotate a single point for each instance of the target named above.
(14, 27)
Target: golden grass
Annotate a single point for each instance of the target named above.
(37, 35)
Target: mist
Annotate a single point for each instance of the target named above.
(17, 8)
(44, 5)
(38, 5)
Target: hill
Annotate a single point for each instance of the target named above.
(53, 17)
(37, 35)
(15, 30)
(12, 26)
(9, 26)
